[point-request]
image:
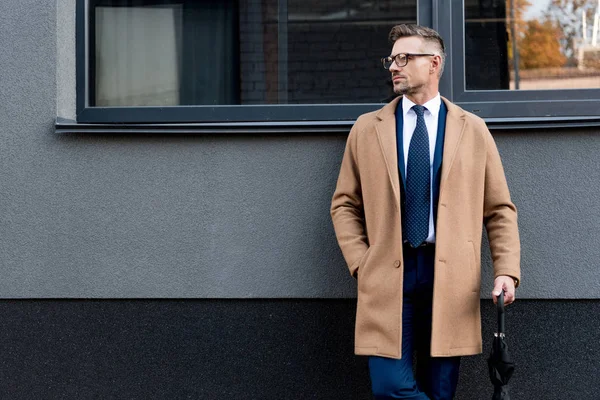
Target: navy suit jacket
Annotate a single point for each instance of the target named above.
(437, 156)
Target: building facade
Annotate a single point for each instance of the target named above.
(167, 170)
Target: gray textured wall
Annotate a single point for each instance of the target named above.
(223, 216)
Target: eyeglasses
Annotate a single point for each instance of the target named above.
(401, 59)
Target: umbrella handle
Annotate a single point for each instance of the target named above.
(500, 308)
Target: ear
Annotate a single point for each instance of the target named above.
(436, 62)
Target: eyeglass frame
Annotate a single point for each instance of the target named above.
(394, 58)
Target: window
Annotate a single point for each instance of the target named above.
(164, 53)
(235, 60)
(525, 59)
(316, 62)
(526, 45)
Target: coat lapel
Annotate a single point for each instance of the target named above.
(386, 135)
(439, 148)
(400, 145)
(455, 124)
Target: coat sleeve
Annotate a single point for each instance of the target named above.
(500, 215)
(347, 212)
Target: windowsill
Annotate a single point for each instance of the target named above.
(63, 125)
(69, 126)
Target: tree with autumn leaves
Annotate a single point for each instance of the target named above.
(538, 42)
(540, 46)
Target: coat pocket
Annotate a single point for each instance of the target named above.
(363, 260)
(475, 269)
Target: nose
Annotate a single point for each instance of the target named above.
(394, 68)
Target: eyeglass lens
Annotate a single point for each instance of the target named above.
(401, 60)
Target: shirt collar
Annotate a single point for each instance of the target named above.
(433, 105)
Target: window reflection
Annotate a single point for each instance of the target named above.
(218, 52)
(532, 45)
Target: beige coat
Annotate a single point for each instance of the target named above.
(366, 215)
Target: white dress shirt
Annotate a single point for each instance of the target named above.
(431, 115)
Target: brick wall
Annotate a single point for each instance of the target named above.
(333, 50)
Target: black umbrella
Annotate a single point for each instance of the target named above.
(500, 366)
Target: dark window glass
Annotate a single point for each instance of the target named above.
(221, 52)
(335, 47)
(532, 44)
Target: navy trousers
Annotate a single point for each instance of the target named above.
(436, 377)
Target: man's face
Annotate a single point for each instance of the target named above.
(417, 74)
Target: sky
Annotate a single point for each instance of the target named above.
(538, 6)
(536, 9)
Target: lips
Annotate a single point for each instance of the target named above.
(397, 78)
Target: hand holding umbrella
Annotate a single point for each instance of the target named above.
(500, 365)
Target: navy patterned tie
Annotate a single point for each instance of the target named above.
(416, 216)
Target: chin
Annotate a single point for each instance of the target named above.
(403, 90)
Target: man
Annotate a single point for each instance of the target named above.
(418, 179)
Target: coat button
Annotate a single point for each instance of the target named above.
(397, 263)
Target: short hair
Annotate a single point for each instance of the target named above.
(427, 34)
